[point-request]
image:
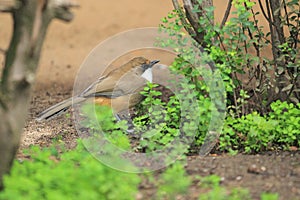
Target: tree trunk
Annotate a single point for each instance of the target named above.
(31, 19)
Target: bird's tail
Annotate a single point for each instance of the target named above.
(59, 108)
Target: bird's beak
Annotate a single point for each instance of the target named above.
(150, 65)
(153, 62)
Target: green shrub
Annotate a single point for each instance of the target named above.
(102, 125)
(252, 81)
(249, 133)
(171, 124)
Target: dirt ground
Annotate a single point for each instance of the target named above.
(64, 50)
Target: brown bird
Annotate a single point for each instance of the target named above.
(121, 86)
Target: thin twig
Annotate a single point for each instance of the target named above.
(182, 17)
(264, 13)
(272, 32)
(194, 17)
(256, 45)
(227, 12)
(294, 35)
(298, 28)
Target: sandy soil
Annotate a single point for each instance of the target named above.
(64, 50)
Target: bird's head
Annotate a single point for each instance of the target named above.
(144, 62)
(139, 65)
(147, 70)
(149, 64)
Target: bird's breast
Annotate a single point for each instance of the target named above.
(148, 75)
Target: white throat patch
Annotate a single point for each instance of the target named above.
(148, 74)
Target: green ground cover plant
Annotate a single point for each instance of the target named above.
(279, 129)
(75, 174)
(56, 173)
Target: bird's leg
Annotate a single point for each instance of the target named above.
(118, 117)
(124, 115)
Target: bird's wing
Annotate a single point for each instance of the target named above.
(128, 84)
(113, 87)
(90, 89)
(102, 85)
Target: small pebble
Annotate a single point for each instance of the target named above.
(205, 170)
(253, 169)
(222, 179)
(139, 196)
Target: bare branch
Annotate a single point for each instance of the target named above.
(176, 4)
(184, 22)
(63, 4)
(264, 12)
(8, 5)
(192, 15)
(227, 12)
(62, 8)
